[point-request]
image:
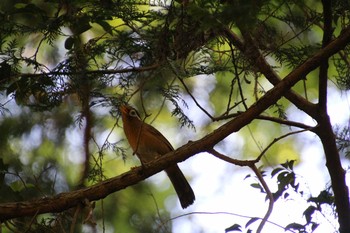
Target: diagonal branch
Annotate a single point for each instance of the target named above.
(327, 36)
(251, 51)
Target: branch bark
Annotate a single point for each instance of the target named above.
(68, 200)
(325, 132)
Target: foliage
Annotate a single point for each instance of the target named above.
(66, 66)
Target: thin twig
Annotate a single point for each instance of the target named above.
(227, 213)
(269, 195)
(31, 222)
(278, 139)
(75, 217)
(251, 164)
(269, 118)
(194, 99)
(242, 163)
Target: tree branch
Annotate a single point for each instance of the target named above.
(253, 53)
(251, 164)
(269, 195)
(268, 118)
(327, 36)
(280, 138)
(87, 72)
(325, 133)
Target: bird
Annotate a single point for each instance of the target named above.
(148, 144)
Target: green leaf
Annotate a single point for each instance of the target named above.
(275, 171)
(256, 185)
(17, 186)
(291, 164)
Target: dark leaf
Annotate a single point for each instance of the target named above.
(5, 70)
(257, 186)
(252, 220)
(276, 171)
(314, 226)
(309, 212)
(291, 164)
(294, 226)
(82, 25)
(234, 227)
(247, 176)
(286, 195)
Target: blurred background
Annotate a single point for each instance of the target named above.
(66, 66)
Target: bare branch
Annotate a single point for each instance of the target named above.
(241, 163)
(194, 99)
(228, 213)
(269, 118)
(278, 139)
(269, 195)
(327, 36)
(251, 164)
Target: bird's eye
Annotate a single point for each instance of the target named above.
(133, 113)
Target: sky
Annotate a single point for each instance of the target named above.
(222, 193)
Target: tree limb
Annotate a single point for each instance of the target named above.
(253, 53)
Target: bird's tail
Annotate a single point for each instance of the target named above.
(181, 186)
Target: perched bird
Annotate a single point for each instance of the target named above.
(148, 143)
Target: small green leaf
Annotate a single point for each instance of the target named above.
(17, 186)
(276, 171)
(291, 164)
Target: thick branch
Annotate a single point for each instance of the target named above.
(325, 132)
(327, 36)
(336, 172)
(65, 201)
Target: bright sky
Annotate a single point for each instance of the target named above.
(221, 187)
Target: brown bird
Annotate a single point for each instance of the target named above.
(148, 143)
